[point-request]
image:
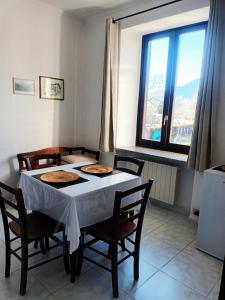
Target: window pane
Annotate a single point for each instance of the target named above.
(155, 89)
(190, 54)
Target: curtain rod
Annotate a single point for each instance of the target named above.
(146, 10)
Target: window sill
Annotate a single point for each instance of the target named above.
(154, 155)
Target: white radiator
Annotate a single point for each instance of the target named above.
(165, 177)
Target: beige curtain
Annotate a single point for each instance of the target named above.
(200, 155)
(110, 86)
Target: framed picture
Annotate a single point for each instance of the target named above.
(23, 86)
(51, 88)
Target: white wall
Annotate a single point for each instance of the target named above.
(36, 39)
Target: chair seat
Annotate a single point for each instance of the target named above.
(38, 226)
(71, 159)
(103, 230)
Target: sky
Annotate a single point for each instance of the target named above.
(189, 58)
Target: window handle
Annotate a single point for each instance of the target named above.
(165, 120)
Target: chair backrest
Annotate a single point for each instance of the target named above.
(33, 162)
(139, 164)
(7, 208)
(51, 150)
(121, 213)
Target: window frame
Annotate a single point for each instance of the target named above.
(172, 61)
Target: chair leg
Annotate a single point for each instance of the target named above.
(80, 256)
(136, 262)
(7, 240)
(42, 246)
(110, 251)
(47, 243)
(123, 244)
(66, 254)
(7, 258)
(73, 264)
(24, 265)
(114, 271)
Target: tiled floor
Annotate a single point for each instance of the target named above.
(170, 268)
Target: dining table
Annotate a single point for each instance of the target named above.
(77, 204)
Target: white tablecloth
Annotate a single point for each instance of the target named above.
(77, 205)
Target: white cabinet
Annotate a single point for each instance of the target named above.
(211, 226)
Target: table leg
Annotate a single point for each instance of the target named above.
(80, 256)
(66, 257)
(73, 265)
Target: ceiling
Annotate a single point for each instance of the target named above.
(86, 6)
(178, 20)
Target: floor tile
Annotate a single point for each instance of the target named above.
(125, 275)
(151, 223)
(126, 279)
(160, 213)
(183, 220)
(191, 249)
(92, 286)
(52, 275)
(197, 274)
(214, 294)
(156, 252)
(168, 243)
(15, 263)
(43, 257)
(163, 287)
(100, 246)
(9, 288)
(176, 234)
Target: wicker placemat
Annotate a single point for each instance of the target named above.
(61, 185)
(98, 175)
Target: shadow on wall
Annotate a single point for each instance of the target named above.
(64, 114)
(13, 177)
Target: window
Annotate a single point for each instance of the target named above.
(170, 74)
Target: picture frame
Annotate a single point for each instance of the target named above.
(23, 86)
(51, 88)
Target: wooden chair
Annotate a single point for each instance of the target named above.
(139, 164)
(112, 231)
(66, 154)
(139, 167)
(30, 227)
(33, 162)
(23, 156)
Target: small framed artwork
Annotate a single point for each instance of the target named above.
(51, 88)
(23, 86)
